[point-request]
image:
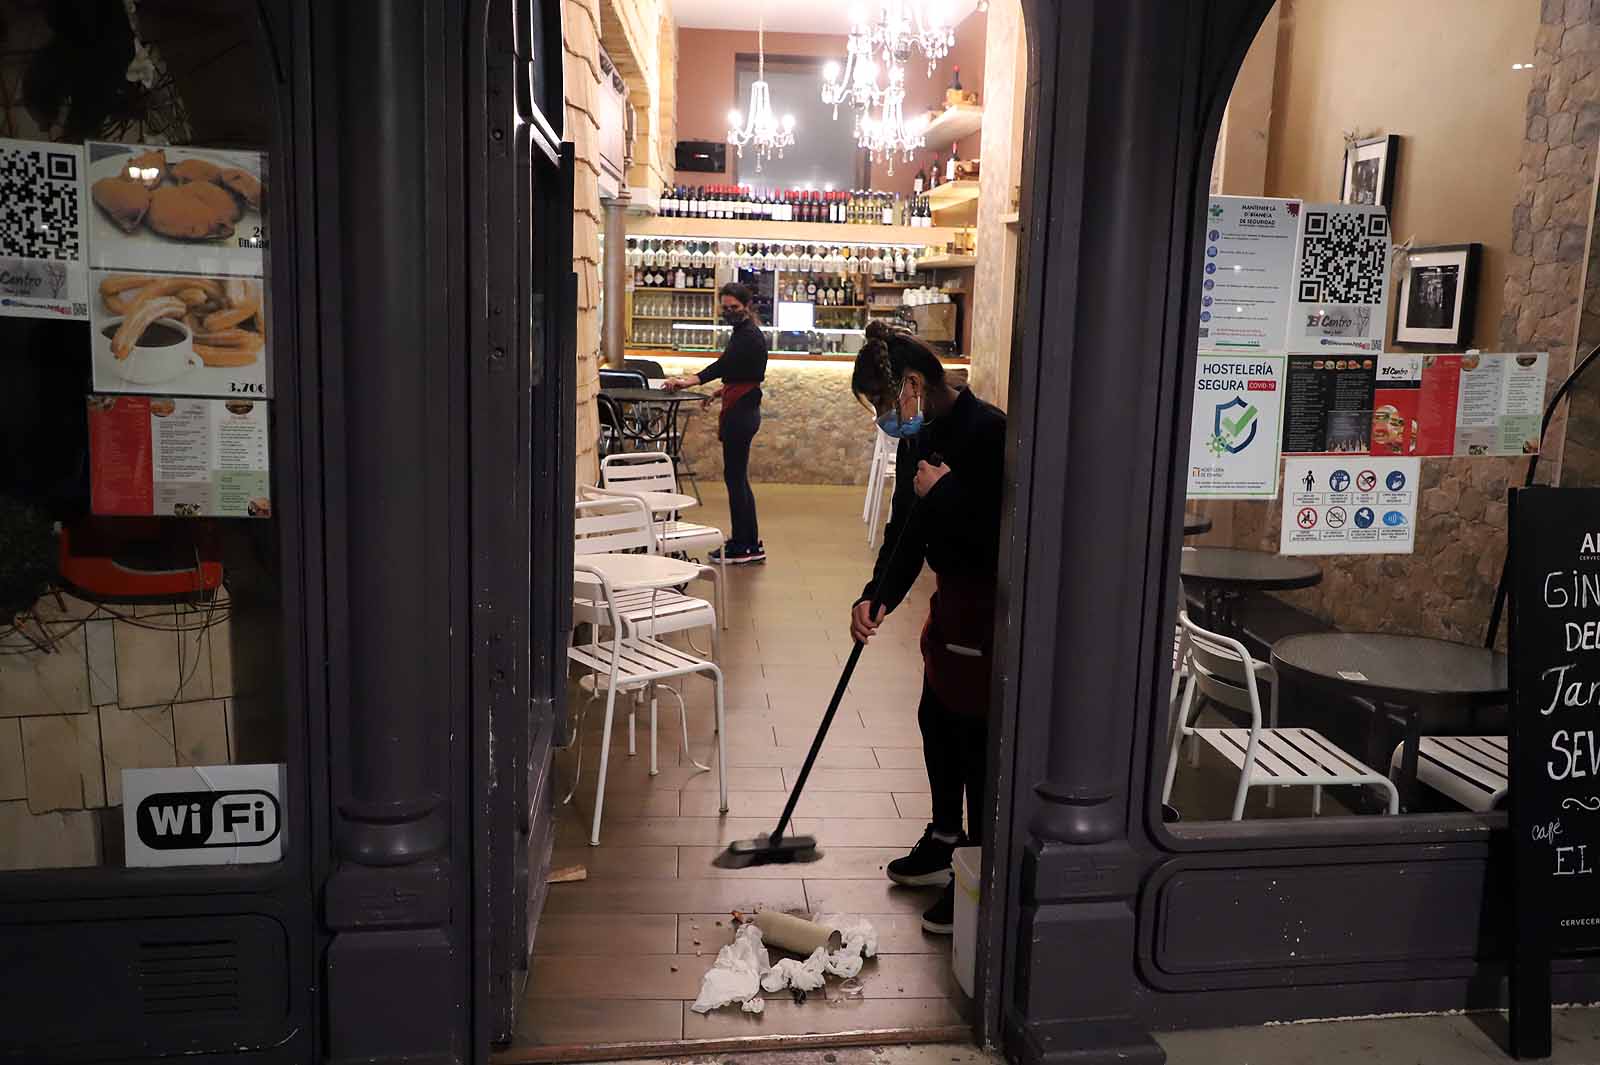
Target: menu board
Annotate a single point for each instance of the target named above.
(176, 292)
(1341, 280)
(1235, 430)
(43, 273)
(1245, 286)
(1329, 406)
(159, 455)
(1335, 506)
(1555, 745)
(1463, 405)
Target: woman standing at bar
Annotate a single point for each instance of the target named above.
(742, 368)
(946, 513)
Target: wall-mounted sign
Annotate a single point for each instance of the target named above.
(1249, 267)
(189, 458)
(1329, 406)
(203, 815)
(1555, 745)
(1235, 431)
(1359, 505)
(43, 269)
(1341, 280)
(1463, 405)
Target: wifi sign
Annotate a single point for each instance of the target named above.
(213, 815)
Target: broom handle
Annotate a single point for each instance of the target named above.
(822, 734)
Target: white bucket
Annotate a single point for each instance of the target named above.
(968, 864)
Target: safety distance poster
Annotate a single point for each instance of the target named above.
(1245, 284)
(1236, 430)
(1358, 505)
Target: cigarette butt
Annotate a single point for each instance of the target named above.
(567, 874)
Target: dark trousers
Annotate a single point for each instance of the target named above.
(956, 750)
(738, 429)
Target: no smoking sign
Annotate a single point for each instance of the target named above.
(1366, 480)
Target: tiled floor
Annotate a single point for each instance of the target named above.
(620, 955)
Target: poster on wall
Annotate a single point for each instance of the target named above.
(188, 458)
(1328, 409)
(1349, 506)
(1469, 406)
(1248, 273)
(1236, 430)
(43, 273)
(176, 292)
(1341, 280)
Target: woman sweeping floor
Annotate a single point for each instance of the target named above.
(742, 368)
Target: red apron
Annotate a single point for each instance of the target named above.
(958, 643)
(732, 394)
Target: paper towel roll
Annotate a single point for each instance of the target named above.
(795, 934)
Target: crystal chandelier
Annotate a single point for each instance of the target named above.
(888, 133)
(762, 128)
(902, 27)
(856, 86)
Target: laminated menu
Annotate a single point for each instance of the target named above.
(159, 455)
(1328, 409)
(177, 292)
(43, 272)
(1459, 405)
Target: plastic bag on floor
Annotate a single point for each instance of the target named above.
(802, 976)
(736, 976)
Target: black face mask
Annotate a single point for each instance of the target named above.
(731, 316)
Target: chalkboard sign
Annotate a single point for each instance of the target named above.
(1555, 744)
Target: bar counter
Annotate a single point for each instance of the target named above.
(813, 431)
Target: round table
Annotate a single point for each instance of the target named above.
(636, 571)
(1408, 675)
(665, 434)
(1238, 569)
(1195, 523)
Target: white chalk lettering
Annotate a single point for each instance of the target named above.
(1573, 861)
(1579, 751)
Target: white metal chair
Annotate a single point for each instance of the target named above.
(880, 477)
(653, 471)
(1222, 670)
(621, 523)
(665, 544)
(628, 662)
(1472, 770)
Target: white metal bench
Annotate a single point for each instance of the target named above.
(1472, 770)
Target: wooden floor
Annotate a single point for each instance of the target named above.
(619, 956)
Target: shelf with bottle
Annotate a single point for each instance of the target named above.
(760, 230)
(810, 206)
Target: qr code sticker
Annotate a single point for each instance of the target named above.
(40, 202)
(1344, 257)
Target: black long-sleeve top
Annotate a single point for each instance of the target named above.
(744, 360)
(955, 529)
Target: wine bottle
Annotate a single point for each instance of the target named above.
(955, 78)
(919, 181)
(950, 165)
(888, 208)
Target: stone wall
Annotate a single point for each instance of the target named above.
(581, 42)
(89, 691)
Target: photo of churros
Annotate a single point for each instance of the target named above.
(183, 334)
(157, 207)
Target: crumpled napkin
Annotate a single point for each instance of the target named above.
(802, 976)
(736, 976)
(860, 942)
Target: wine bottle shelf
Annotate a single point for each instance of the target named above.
(793, 232)
(951, 125)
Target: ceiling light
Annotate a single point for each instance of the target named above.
(764, 129)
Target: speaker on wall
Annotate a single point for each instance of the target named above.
(703, 157)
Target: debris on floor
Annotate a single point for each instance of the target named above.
(744, 968)
(567, 874)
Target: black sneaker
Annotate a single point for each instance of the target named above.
(928, 864)
(737, 554)
(940, 918)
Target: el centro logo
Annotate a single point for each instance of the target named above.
(186, 820)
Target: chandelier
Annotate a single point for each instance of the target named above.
(856, 86)
(888, 133)
(762, 128)
(902, 27)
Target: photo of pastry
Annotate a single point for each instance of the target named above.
(176, 209)
(183, 334)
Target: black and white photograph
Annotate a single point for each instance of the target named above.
(1369, 167)
(1436, 295)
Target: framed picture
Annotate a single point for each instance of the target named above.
(1369, 171)
(1437, 295)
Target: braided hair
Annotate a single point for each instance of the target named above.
(883, 360)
